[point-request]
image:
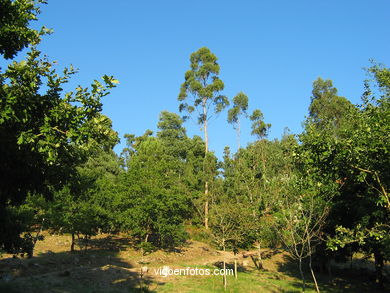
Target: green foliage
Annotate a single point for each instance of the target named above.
(153, 204)
(326, 106)
(15, 17)
(240, 106)
(45, 133)
(171, 127)
(81, 208)
(17, 238)
(259, 127)
(302, 214)
(203, 84)
(348, 146)
(365, 156)
(230, 223)
(256, 178)
(71, 214)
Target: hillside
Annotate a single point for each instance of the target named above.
(110, 265)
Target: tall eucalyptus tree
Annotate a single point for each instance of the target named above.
(200, 93)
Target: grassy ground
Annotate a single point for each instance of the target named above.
(110, 265)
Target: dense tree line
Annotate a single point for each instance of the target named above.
(320, 194)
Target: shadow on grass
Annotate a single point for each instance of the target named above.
(230, 266)
(342, 280)
(99, 269)
(110, 243)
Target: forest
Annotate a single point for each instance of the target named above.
(320, 196)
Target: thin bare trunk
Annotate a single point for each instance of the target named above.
(206, 184)
(235, 269)
(224, 270)
(259, 256)
(314, 277)
(206, 134)
(206, 207)
(310, 253)
(263, 165)
(235, 263)
(145, 241)
(238, 134)
(302, 276)
(382, 189)
(311, 269)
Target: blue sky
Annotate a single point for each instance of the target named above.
(271, 50)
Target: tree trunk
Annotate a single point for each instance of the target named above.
(329, 269)
(80, 243)
(224, 270)
(350, 261)
(206, 134)
(206, 205)
(206, 184)
(263, 177)
(379, 267)
(302, 276)
(86, 242)
(72, 244)
(235, 263)
(142, 249)
(235, 251)
(260, 267)
(238, 134)
(224, 275)
(312, 273)
(311, 269)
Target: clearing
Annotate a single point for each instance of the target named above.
(111, 265)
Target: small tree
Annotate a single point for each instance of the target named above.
(229, 223)
(301, 218)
